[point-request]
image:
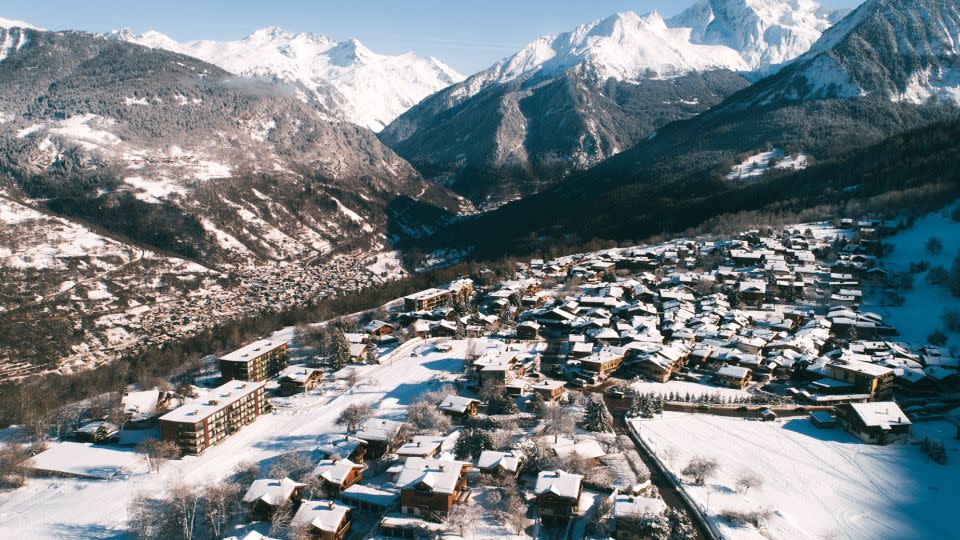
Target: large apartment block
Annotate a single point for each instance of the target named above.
(257, 361)
(204, 422)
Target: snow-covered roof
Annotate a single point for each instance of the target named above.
(270, 491)
(335, 471)
(377, 429)
(736, 372)
(635, 506)
(253, 350)
(492, 459)
(217, 399)
(881, 414)
(437, 475)
(559, 483)
(420, 446)
(325, 515)
(457, 404)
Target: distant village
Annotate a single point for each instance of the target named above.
(530, 422)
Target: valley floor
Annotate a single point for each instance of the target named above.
(819, 483)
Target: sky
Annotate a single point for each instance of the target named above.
(468, 36)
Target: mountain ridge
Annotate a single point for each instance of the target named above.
(347, 80)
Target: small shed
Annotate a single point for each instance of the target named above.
(766, 415)
(823, 419)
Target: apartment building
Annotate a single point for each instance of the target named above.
(204, 422)
(257, 361)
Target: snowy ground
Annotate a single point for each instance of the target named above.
(685, 387)
(70, 508)
(925, 303)
(818, 483)
(758, 164)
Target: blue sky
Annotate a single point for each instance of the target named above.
(469, 36)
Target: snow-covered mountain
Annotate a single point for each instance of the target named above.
(625, 46)
(766, 33)
(349, 81)
(13, 23)
(897, 50)
(563, 103)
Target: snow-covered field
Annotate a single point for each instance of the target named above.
(71, 508)
(758, 164)
(921, 311)
(818, 483)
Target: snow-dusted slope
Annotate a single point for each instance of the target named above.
(13, 23)
(624, 46)
(766, 33)
(352, 82)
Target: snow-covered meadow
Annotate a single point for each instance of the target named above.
(920, 314)
(819, 483)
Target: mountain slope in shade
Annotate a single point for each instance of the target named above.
(181, 155)
(346, 79)
(766, 33)
(561, 104)
(901, 50)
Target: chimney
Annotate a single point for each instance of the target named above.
(330, 504)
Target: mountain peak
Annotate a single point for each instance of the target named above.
(623, 46)
(766, 33)
(901, 50)
(346, 79)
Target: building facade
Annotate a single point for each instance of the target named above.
(198, 425)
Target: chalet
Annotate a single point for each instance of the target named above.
(878, 422)
(142, 408)
(558, 494)
(358, 351)
(867, 378)
(499, 463)
(381, 436)
(459, 406)
(265, 496)
(422, 446)
(444, 329)
(658, 366)
(203, 422)
(752, 291)
(549, 389)
(98, 431)
(299, 379)
(344, 447)
(604, 363)
(371, 498)
(528, 330)
(336, 475)
(823, 419)
(326, 519)
(379, 328)
(430, 487)
(733, 376)
(630, 512)
(257, 361)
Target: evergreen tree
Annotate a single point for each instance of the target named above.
(339, 350)
(681, 528)
(635, 406)
(595, 416)
(471, 443)
(537, 403)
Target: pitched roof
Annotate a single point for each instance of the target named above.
(559, 483)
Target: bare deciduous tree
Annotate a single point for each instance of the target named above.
(557, 421)
(748, 479)
(701, 469)
(463, 518)
(353, 415)
(221, 504)
(157, 452)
